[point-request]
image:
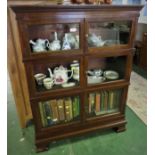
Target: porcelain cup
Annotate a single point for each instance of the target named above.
(39, 78)
(48, 83)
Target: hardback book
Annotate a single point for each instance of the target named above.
(117, 98)
(48, 113)
(76, 108)
(111, 99)
(61, 110)
(105, 101)
(91, 102)
(42, 114)
(54, 107)
(97, 102)
(68, 109)
(102, 101)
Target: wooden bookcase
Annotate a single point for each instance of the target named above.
(98, 106)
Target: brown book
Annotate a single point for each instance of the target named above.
(98, 100)
(55, 114)
(61, 111)
(68, 109)
(105, 101)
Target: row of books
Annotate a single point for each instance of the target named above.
(103, 102)
(59, 110)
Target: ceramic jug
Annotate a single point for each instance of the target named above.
(39, 45)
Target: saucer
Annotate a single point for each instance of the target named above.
(69, 84)
(111, 75)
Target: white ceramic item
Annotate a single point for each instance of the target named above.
(95, 79)
(60, 75)
(48, 83)
(55, 45)
(111, 75)
(39, 78)
(69, 84)
(39, 45)
(66, 44)
(76, 70)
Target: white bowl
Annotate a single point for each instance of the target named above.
(95, 79)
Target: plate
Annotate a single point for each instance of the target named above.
(111, 75)
(69, 84)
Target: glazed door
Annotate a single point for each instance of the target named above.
(109, 34)
(46, 37)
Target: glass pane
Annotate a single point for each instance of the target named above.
(103, 102)
(53, 37)
(59, 111)
(55, 75)
(109, 33)
(105, 69)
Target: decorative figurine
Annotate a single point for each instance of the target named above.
(55, 45)
(66, 45)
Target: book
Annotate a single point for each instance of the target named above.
(68, 109)
(61, 111)
(105, 101)
(111, 99)
(42, 114)
(55, 114)
(97, 102)
(102, 101)
(91, 105)
(76, 109)
(48, 113)
(117, 98)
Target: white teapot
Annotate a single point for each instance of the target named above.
(60, 75)
(55, 45)
(39, 45)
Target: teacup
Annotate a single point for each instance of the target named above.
(39, 78)
(48, 83)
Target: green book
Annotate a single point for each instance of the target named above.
(68, 109)
(75, 106)
(42, 114)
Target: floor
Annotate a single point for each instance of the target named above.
(133, 141)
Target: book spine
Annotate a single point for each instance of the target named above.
(102, 101)
(97, 105)
(75, 106)
(78, 106)
(60, 103)
(48, 113)
(91, 101)
(54, 108)
(42, 114)
(68, 109)
(105, 101)
(111, 100)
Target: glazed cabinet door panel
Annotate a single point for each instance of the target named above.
(104, 102)
(51, 37)
(55, 76)
(109, 34)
